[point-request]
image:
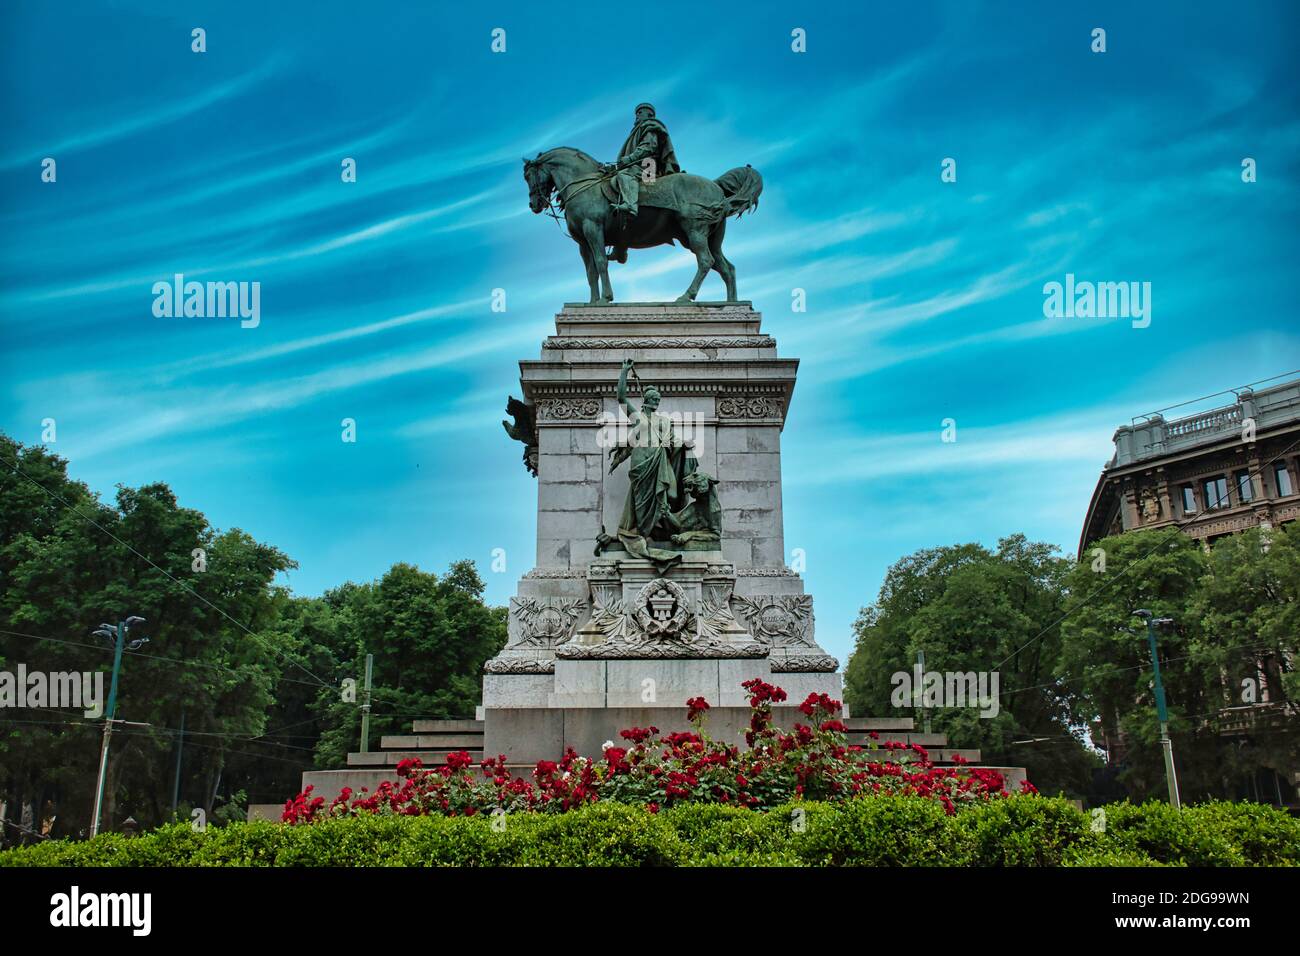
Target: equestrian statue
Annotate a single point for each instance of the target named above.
(643, 199)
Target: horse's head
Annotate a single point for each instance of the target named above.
(540, 184)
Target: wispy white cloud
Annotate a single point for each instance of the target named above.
(1080, 439)
(147, 118)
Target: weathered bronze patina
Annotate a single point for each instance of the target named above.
(668, 499)
(640, 201)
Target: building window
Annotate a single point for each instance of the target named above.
(1216, 493)
(1245, 488)
(1283, 478)
(1189, 500)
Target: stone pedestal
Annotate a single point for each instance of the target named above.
(598, 642)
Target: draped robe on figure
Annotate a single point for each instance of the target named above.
(658, 465)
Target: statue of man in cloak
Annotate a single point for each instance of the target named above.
(648, 140)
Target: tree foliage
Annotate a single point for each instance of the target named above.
(1235, 618)
(252, 673)
(971, 609)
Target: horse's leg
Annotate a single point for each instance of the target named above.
(594, 233)
(698, 237)
(593, 277)
(721, 264)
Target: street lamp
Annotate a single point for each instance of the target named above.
(1161, 711)
(118, 634)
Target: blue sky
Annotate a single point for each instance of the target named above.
(924, 298)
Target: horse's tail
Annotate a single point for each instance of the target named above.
(742, 187)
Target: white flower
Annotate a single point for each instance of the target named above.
(606, 745)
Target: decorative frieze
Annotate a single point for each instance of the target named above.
(543, 622)
(568, 409)
(627, 649)
(779, 620)
(1204, 529)
(662, 622)
(519, 665)
(804, 664)
(759, 406)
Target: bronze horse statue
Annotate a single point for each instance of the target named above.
(689, 209)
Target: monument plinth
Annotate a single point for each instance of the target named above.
(660, 569)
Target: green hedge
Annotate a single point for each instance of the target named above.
(869, 831)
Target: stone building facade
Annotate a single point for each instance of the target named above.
(1209, 474)
(1213, 474)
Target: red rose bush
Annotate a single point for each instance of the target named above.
(812, 762)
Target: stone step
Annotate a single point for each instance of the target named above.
(946, 754)
(457, 725)
(879, 723)
(390, 758)
(655, 319)
(942, 756)
(328, 783)
(441, 741)
(925, 740)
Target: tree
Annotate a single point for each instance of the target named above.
(973, 610)
(430, 636)
(1234, 614)
(252, 672)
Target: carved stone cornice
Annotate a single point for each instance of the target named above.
(660, 650)
(579, 573)
(657, 312)
(662, 342)
(774, 391)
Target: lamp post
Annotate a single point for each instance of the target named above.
(1162, 712)
(119, 635)
(365, 705)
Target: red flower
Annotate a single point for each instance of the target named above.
(815, 702)
(407, 767)
(458, 760)
(695, 708)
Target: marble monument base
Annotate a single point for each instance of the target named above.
(531, 717)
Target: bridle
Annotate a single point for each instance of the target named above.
(554, 198)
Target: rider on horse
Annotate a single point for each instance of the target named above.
(648, 140)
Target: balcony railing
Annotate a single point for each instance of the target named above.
(1152, 435)
(1217, 420)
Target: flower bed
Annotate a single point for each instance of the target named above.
(654, 770)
